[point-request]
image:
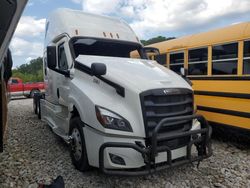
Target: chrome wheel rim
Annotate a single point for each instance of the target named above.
(76, 144)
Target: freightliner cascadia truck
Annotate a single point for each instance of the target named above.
(124, 115)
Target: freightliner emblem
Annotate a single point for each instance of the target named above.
(165, 91)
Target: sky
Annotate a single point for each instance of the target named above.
(148, 18)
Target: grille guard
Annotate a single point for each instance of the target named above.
(178, 97)
(202, 143)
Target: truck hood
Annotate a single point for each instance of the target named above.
(10, 12)
(136, 74)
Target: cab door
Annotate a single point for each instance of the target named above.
(64, 61)
(56, 82)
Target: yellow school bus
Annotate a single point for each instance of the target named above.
(218, 64)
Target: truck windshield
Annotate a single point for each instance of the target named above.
(106, 47)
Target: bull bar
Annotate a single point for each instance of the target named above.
(200, 138)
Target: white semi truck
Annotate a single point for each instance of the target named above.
(124, 115)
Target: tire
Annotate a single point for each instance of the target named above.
(35, 105)
(38, 108)
(78, 148)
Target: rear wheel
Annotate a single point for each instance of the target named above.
(78, 148)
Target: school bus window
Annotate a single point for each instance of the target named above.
(197, 61)
(176, 61)
(246, 58)
(224, 59)
(161, 59)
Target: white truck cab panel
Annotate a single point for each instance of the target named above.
(116, 111)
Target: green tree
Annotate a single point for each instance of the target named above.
(155, 40)
(30, 72)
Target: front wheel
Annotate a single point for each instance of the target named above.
(78, 148)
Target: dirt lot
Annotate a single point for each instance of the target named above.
(34, 154)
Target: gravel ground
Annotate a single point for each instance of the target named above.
(34, 154)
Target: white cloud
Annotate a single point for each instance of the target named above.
(128, 11)
(24, 48)
(148, 17)
(101, 6)
(30, 26)
(27, 41)
(28, 59)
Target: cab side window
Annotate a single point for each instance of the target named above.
(45, 65)
(62, 59)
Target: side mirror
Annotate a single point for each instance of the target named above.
(183, 71)
(51, 57)
(98, 69)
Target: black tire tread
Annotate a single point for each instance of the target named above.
(39, 106)
(35, 104)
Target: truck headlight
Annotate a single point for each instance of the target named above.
(111, 120)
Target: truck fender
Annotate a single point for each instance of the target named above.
(73, 103)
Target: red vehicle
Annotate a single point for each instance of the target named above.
(16, 87)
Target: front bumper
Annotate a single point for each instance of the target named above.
(199, 138)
